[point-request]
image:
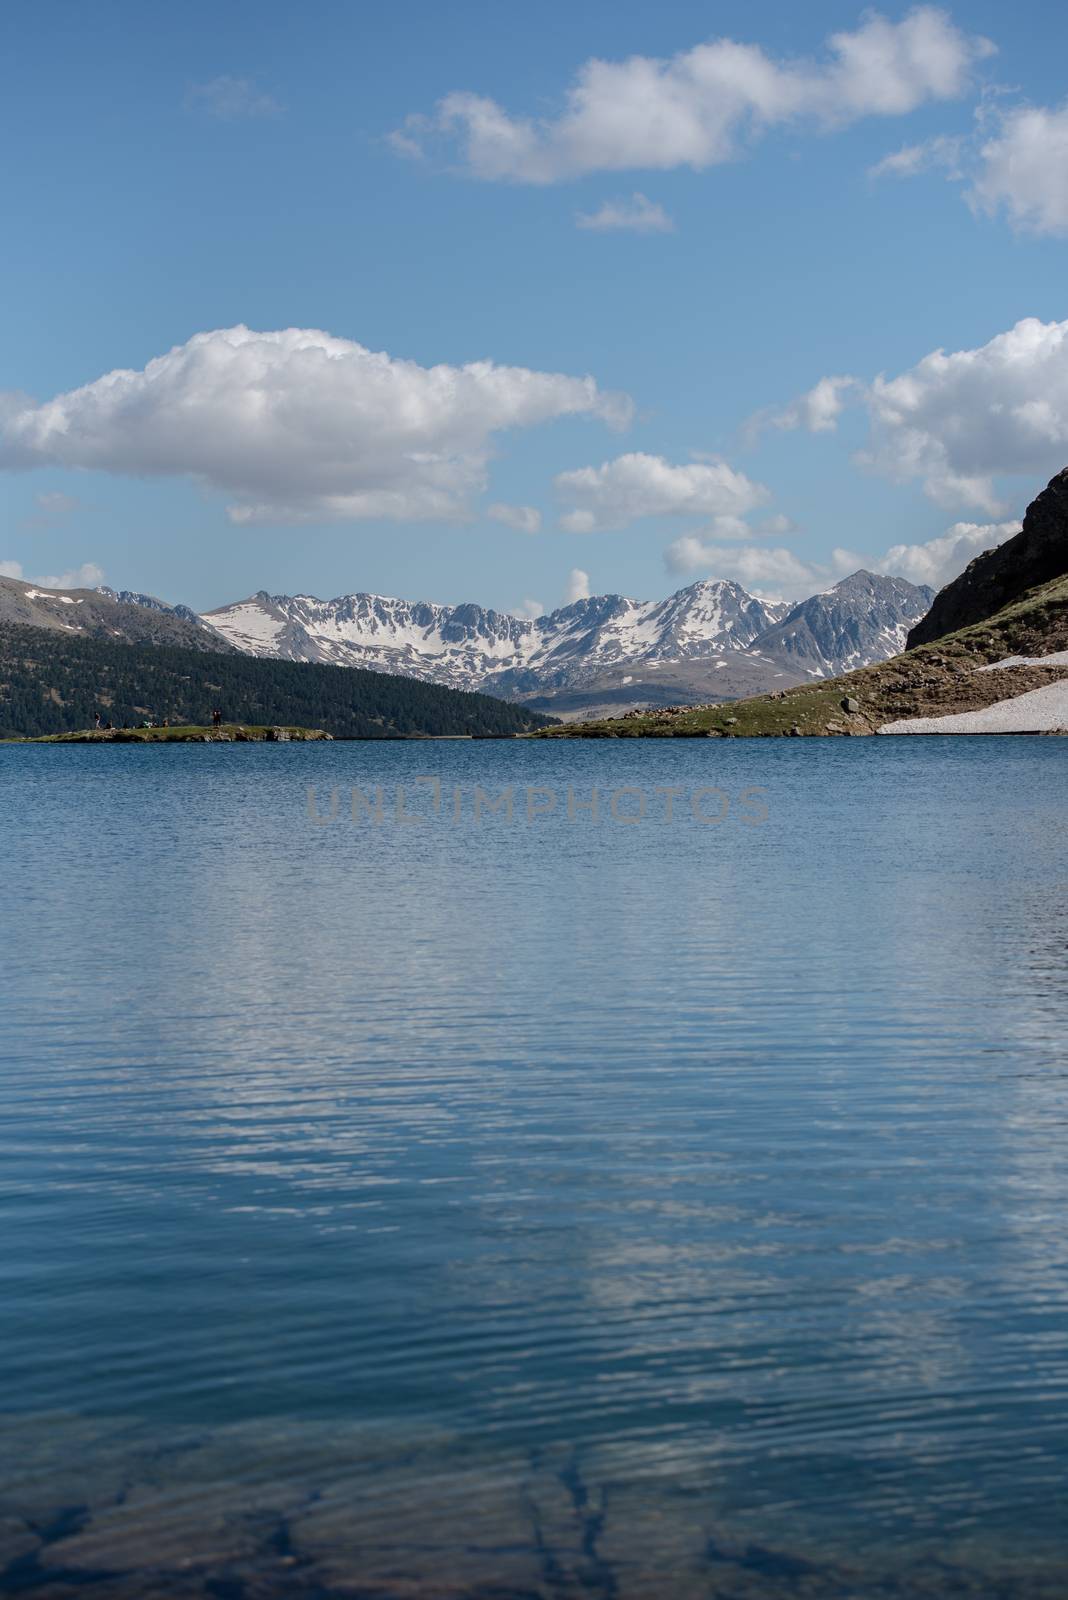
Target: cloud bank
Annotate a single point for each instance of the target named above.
(780, 574)
(773, 573)
(701, 106)
(637, 485)
(944, 558)
(299, 426)
(957, 421)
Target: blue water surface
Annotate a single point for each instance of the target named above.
(535, 1204)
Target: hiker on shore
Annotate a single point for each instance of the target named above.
(216, 717)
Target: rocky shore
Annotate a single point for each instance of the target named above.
(107, 1510)
(228, 733)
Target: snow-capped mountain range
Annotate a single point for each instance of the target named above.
(711, 640)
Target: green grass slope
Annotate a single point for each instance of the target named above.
(52, 683)
(933, 680)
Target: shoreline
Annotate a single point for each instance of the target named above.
(233, 733)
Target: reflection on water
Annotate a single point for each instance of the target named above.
(554, 1209)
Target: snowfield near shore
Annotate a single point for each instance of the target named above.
(1058, 659)
(1042, 710)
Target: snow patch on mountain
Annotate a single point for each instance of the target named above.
(466, 646)
(714, 622)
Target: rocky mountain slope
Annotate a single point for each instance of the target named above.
(1027, 639)
(459, 644)
(1034, 556)
(151, 602)
(711, 640)
(104, 614)
(863, 619)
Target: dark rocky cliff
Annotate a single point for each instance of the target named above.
(1036, 555)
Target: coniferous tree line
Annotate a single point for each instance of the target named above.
(51, 682)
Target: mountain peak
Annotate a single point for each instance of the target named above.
(687, 639)
(864, 618)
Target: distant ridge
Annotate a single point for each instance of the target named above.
(106, 614)
(130, 597)
(1004, 671)
(711, 640)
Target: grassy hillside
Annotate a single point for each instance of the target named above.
(933, 680)
(52, 682)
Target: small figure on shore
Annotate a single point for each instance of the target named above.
(166, 722)
(98, 723)
(216, 717)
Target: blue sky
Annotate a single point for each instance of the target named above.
(174, 171)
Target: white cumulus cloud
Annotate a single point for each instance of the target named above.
(1024, 170)
(639, 214)
(299, 426)
(945, 557)
(640, 485)
(781, 574)
(774, 573)
(958, 420)
(818, 410)
(578, 586)
(700, 107)
(524, 519)
(530, 609)
(1014, 163)
(87, 576)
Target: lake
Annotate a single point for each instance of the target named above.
(426, 1200)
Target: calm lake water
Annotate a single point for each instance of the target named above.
(535, 1207)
